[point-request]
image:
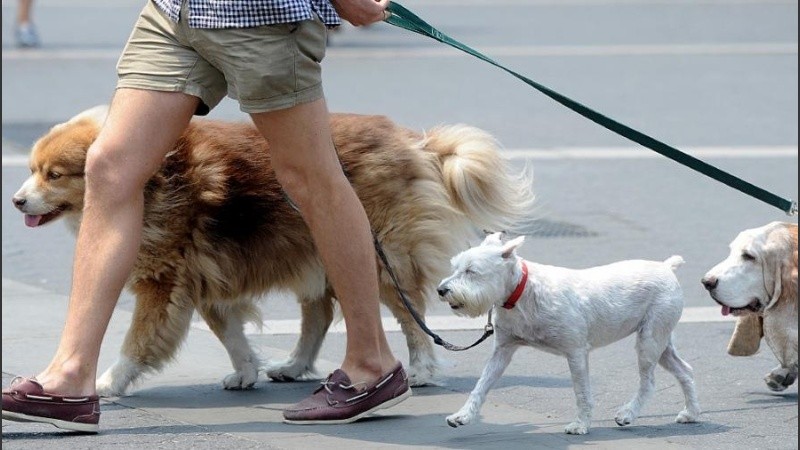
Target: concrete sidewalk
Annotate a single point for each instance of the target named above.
(185, 406)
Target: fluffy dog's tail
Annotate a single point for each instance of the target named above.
(674, 262)
(479, 180)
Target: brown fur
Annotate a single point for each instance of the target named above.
(218, 231)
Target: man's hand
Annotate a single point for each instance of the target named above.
(361, 12)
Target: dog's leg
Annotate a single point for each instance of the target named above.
(579, 370)
(317, 316)
(227, 323)
(780, 378)
(501, 356)
(423, 363)
(682, 371)
(650, 345)
(160, 322)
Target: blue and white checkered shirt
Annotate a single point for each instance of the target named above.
(249, 13)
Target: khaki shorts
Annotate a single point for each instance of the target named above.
(265, 68)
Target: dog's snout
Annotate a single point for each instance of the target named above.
(19, 202)
(442, 290)
(710, 282)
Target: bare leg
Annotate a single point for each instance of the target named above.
(25, 31)
(141, 127)
(307, 167)
(24, 11)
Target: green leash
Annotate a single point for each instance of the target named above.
(403, 18)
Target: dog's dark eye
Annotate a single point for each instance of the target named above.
(748, 257)
(53, 175)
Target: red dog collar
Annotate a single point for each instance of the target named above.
(512, 300)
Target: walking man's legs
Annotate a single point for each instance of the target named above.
(307, 167)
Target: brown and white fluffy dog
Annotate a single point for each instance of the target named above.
(758, 283)
(219, 233)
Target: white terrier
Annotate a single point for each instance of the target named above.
(570, 312)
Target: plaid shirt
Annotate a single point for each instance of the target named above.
(249, 13)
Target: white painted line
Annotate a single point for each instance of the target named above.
(580, 153)
(448, 323)
(695, 314)
(778, 48)
(496, 52)
(642, 152)
(15, 160)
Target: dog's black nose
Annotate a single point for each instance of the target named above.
(19, 202)
(710, 282)
(442, 291)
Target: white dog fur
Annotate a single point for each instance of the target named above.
(570, 312)
(758, 279)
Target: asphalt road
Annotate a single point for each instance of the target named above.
(717, 78)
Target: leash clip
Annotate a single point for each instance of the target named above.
(489, 328)
(792, 209)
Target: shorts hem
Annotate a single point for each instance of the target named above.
(284, 101)
(208, 101)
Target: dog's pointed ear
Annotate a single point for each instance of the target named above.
(510, 246)
(493, 239)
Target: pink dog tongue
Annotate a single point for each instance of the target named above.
(726, 310)
(32, 221)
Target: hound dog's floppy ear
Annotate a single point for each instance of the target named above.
(746, 336)
(782, 265)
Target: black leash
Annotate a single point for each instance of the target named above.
(488, 330)
(401, 17)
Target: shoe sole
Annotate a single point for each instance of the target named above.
(384, 405)
(63, 424)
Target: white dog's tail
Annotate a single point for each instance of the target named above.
(479, 181)
(674, 262)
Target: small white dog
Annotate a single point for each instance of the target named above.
(570, 312)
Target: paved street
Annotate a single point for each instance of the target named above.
(715, 78)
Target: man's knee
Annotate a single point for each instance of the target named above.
(113, 174)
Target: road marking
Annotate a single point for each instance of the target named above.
(786, 48)
(15, 160)
(642, 153)
(573, 50)
(581, 153)
(696, 314)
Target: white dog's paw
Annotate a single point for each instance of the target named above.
(287, 370)
(459, 418)
(244, 378)
(577, 427)
(625, 416)
(687, 416)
